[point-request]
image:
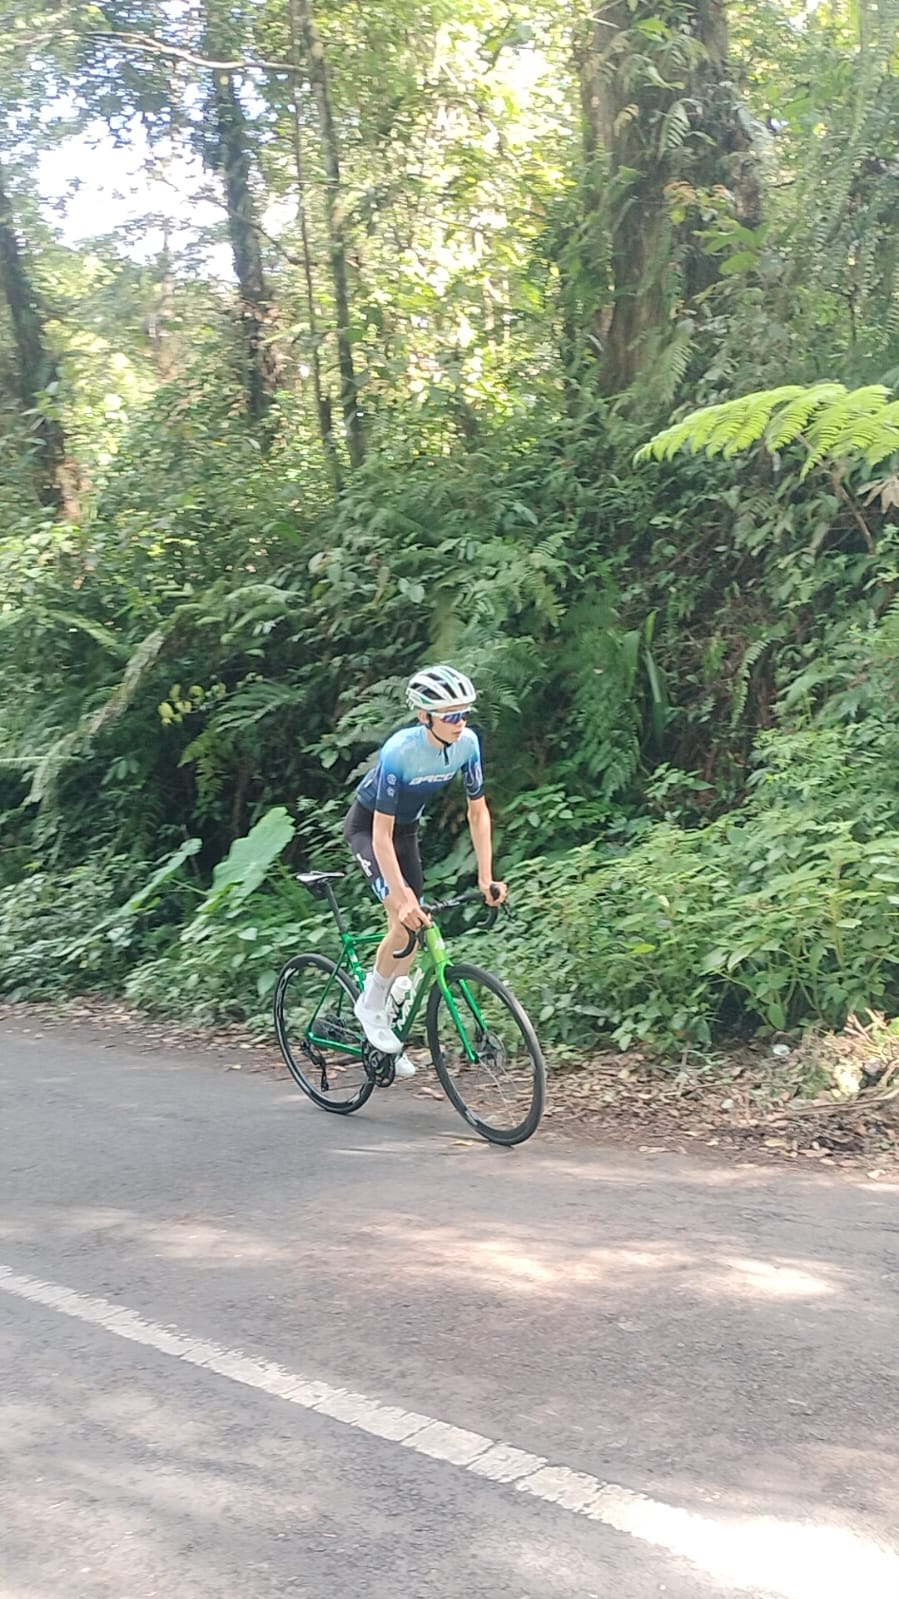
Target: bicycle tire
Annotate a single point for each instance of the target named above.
(460, 1084)
(303, 1059)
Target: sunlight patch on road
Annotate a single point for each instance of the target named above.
(187, 1237)
(524, 1266)
(780, 1282)
(783, 1559)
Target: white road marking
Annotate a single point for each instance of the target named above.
(763, 1555)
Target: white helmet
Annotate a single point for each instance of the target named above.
(438, 686)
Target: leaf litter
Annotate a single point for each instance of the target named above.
(832, 1099)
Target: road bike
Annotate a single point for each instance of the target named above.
(481, 1041)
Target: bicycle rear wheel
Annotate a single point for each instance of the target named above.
(488, 1060)
(319, 1036)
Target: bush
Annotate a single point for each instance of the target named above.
(779, 916)
(225, 969)
(58, 930)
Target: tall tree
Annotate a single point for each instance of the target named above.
(322, 397)
(230, 155)
(659, 106)
(37, 367)
(303, 24)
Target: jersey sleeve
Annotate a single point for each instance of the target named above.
(473, 771)
(389, 782)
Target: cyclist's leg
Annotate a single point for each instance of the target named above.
(372, 1006)
(357, 833)
(405, 843)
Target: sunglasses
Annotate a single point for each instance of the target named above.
(453, 717)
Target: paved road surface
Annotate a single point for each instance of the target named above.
(250, 1350)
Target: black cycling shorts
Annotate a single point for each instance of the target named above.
(357, 833)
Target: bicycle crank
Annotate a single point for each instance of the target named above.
(381, 1069)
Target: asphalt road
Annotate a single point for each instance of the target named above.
(248, 1349)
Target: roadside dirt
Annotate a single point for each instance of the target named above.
(745, 1102)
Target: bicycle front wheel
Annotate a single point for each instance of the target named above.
(486, 1055)
(319, 1036)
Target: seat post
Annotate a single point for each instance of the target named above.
(331, 897)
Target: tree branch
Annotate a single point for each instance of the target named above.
(145, 41)
(853, 509)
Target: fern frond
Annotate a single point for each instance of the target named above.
(675, 128)
(671, 368)
(793, 418)
(253, 701)
(626, 115)
(715, 426)
(856, 424)
(107, 713)
(753, 655)
(853, 426)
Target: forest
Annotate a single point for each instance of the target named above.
(557, 341)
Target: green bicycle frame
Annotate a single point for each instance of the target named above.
(435, 960)
(349, 961)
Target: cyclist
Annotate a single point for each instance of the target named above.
(382, 829)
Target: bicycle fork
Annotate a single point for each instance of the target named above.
(440, 956)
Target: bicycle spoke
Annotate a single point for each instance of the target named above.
(487, 1056)
(318, 1033)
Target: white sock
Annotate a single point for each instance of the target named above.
(377, 989)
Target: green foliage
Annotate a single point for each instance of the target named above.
(687, 662)
(778, 917)
(829, 421)
(148, 893)
(225, 969)
(248, 861)
(67, 932)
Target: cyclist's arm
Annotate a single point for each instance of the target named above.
(482, 838)
(390, 783)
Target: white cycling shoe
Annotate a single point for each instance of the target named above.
(376, 1027)
(377, 1024)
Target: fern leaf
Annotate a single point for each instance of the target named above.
(112, 708)
(671, 367)
(753, 655)
(675, 128)
(858, 424)
(792, 419)
(715, 426)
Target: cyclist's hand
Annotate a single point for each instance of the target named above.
(406, 908)
(493, 892)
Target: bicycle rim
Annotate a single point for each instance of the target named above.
(318, 1033)
(486, 1055)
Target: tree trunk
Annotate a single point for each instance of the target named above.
(318, 76)
(729, 157)
(322, 399)
(613, 124)
(161, 319)
(640, 247)
(232, 162)
(36, 370)
(622, 117)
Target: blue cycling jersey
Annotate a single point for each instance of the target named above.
(411, 770)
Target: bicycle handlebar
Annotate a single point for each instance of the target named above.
(436, 907)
